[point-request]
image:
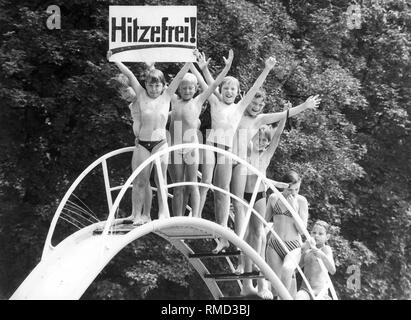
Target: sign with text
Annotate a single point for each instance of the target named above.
(153, 33)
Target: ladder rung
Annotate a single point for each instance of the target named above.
(214, 255)
(233, 276)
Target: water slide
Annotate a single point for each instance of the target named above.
(67, 270)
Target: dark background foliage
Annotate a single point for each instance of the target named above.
(60, 112)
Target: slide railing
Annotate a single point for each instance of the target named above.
(163, 191)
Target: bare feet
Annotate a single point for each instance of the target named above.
(141, 220)
(265, 294)
(222, 244)
(138, 222)
(248, 291)
(146, 219)
(240, 268)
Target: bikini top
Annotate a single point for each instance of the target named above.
(277, 211)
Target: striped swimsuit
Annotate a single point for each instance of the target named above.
(275, 244)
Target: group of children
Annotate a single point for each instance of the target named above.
(238, 127)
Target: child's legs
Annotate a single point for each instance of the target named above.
(237, 186)
(207, 169)
(255, 235)
(291, 261)
(193, 191)
(176, 170)
(141, 183)
(147, 200)
(256, 226)
(162, 211)
(247, 264)
(263, 284)
(222, 177)
(274, 261)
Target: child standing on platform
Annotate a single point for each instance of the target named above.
(183, 129)
(225, 118)
(149, 110)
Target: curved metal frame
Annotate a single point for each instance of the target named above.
(156, 158)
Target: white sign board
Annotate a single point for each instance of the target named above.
(152, 33)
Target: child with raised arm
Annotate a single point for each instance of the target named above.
(183, 129)
(261, 151)
(150, 113)
(225, 117)
(251, 121)
(317, 278)
(127, 93)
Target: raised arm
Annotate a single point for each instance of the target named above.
(279, 184)
(269, 64)
(202, 63)
(127, 72)
(203, 97)
(272, 199)
(136, 115)
(311, 103)
(204, 86)
(302, 211)
(177, 79)
(275, 140)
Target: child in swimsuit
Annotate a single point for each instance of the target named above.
(183, 129)
(317, 278)
(251, 121)
(127, 93)
(150, 113)
(282, 262)
(262, 148)
(225, 117)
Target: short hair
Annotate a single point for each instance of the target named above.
(122, 80)
(189, 77)
(155, 76)
(230, 79)
(127, 93)
(323, 224)
(291, 177)
(261, 93)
